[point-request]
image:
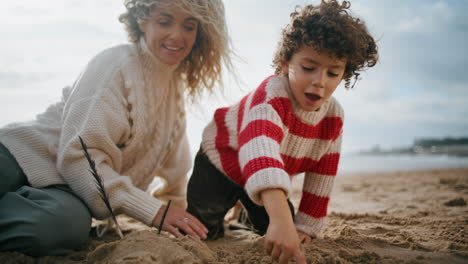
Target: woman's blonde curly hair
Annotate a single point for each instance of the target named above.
(202, 68)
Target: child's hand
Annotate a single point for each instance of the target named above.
(304, 238)
(282, 242)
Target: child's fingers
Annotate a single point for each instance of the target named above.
(299, 256)
(284, 257)
(268, 246)
(307, 240)
(276, 252)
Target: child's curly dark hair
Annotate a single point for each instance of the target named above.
(330, 29)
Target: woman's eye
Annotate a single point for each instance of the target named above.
(189, 28)
(164, 23)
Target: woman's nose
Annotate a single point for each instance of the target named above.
(176, 33)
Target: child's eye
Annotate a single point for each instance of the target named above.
(308, 69)
(332, 74)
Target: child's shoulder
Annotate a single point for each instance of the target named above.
(276, 86)
(335, 108)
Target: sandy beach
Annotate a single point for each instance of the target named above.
(396, 217)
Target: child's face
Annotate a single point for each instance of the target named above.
(170, 34)
(313, 77)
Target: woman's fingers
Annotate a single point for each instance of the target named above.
(198, 227)
(177, 218)
(185, 225)
(173, 230)
(192, 226)
(197, 223)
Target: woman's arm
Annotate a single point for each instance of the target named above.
(174, 171)
(96, 110)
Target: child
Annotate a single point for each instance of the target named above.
(290, 124)
(128, 107)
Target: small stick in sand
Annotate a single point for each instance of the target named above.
(100, 186)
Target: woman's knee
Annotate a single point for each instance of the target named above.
(11, 175)
(60, 225)
(61, 232)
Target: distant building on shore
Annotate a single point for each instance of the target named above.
(445, 146)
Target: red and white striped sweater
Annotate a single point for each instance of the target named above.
(266, 138)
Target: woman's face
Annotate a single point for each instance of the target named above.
(170, 34)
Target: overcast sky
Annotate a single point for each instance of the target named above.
(418, 89)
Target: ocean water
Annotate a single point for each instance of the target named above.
(351, 163)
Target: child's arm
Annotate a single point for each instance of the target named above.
(281, 240)
(261, 132)
(317, 188)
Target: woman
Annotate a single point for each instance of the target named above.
(128, 107)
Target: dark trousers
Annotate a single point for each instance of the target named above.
(38, 221)
(211, 194)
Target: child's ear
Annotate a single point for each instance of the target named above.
(285, 68)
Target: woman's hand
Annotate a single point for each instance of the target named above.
(177, 218)
(304, 238)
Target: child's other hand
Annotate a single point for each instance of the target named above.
(233, 213)
(304, 238)
(283, 244)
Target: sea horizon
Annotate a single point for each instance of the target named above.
(364, 163)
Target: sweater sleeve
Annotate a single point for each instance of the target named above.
(259, 152)
(174, 172)
(96, 111)
(317, 188)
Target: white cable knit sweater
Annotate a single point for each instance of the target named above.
(128, 107)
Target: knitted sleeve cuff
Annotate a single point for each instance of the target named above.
(130, 200)
(140, 205)
(269, 178)
(309, 225)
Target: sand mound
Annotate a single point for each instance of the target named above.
(150, 247)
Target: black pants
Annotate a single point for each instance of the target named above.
(211, 194)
